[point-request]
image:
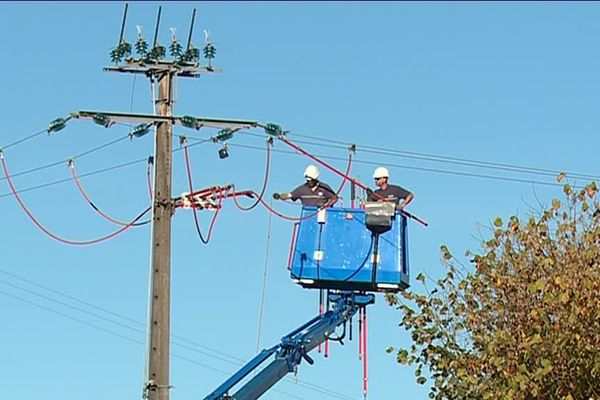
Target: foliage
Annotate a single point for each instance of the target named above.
(524, 321)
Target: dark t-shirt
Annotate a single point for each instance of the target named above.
(317, 198)
(392, 193)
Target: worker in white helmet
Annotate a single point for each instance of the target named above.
(312, 193)
(388, 192)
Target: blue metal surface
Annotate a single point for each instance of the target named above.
(338, 254)
(293, 348)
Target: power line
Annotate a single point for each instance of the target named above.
(95, 172)
(62, 162)
(449, 159)
(119, 335)
(441, 171)
(368, 149)
(435, 158)
(24, 139)
(220, 355)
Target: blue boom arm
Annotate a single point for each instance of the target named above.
(292, 349)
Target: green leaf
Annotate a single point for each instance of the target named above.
(498, 222)
(555, 204)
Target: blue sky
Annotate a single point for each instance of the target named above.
(513, 83)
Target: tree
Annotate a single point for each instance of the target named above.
(521, 322)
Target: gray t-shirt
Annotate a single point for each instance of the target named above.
(392, 193)
(316, 198)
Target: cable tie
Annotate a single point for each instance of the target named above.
(151, 160)
(71, 163)
(182, 140)
(1, 154)
(352, 148)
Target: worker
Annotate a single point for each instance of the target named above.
(312, 193)
(388, 192)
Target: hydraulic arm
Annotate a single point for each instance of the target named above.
(292, 349)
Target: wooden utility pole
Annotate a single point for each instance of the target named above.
(151, 64)
(163, 208)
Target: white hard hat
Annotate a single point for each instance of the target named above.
(311, 172)
(381, 172)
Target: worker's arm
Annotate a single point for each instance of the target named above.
(282, 196)
(407, 200)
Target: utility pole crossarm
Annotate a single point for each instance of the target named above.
(156, 67)
(190, 122)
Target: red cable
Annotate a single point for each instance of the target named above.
(360, 333)
(214, 218)
(321, 308)
(298, 219)
(264, 188)
(212, 223)
(359, 184)
(86, 197)
(53, 236)
(345, 175)
(149, 178)
(365, 366)
(290, 257)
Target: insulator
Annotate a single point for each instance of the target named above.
(140, 130)
(274, 130)
(191, 55)
(124, 50)
(223, 135)
(57, 125)
(209, 51)
(141, 47)
(189, 122)
(158, 52)
(175, 49)
(115, 56)
(102, 119)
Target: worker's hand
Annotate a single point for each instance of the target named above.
(369, 192)
(276, 196)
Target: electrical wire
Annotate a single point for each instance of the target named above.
(364, 262)
(447, 159)
(91, 203)
(119, 335)
(24, 139)
(53, 164)
(56, 182)
(333, 169)
(440, 171)
(265, 183)
(96, 172)
(52, 235)
(323, 156)
(264, 283)
(149, 178)
(311, 215)
(238, 361)
(218, 208)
